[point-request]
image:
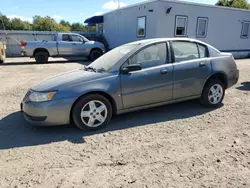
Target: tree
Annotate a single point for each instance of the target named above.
(65, 23)
(78, 27)
(243, 4)
(18, 24)
(5, 23)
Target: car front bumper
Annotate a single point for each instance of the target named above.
(54, 112)
(233, 77)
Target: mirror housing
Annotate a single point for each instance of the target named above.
(131, 68)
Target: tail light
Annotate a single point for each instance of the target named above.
(233, 59)
(23, 44)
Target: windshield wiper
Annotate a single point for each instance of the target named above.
(90, 68)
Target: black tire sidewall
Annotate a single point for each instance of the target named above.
(45, 54)
(92, 58)
(204, 98)
(76, 111)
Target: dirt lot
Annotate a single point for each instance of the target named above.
(180, 145)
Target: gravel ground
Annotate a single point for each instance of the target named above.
(180, 145)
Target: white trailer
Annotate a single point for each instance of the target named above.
(225, 28)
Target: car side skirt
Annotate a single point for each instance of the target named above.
(157, 104)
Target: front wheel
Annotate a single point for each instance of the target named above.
(95, 54)
(92, 112)
(213, 93)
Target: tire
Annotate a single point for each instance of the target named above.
(1, 61)
(95, 54)
(84, 120)
(208, 98)
(42, 57)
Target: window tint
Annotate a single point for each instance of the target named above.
(141, 26)
(202, 27)
(76, 38)
(245, 29)
(151, 56)
(180, 25)
(184, 51)
(202, 51)
(66, 38)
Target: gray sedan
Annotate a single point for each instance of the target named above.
(131, 77)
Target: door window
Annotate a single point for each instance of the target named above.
(66, 38)
(76, 38)
(151, 56)
(202, 51)
(184, 51)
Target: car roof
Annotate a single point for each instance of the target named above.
(155, 40)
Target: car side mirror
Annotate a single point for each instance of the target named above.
(131, 68)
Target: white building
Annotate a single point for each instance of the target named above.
(225, 28)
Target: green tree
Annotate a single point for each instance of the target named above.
(18, 24)
(243, 4)
(5, 23)
(65, 23)
(78, 27)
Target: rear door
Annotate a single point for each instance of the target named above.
(66, 46)
(191, 68)
(153, 83)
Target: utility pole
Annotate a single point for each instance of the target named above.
(2, 21)
(118, 4)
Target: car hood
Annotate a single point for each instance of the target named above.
(67, 79)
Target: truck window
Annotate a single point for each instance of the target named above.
(76, 38)
(66, 38)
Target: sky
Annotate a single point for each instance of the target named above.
(69, 10)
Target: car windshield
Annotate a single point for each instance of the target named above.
(109, 59)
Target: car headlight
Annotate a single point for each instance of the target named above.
(41, 96)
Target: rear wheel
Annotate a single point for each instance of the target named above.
(92, 112)
(213, 93)
(95, 54)
(42, 57)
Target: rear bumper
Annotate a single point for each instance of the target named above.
(233, 77)
(23, 53)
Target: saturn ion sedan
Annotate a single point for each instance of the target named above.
(134, 76)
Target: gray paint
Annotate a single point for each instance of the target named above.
(137, 90)
(60, 48)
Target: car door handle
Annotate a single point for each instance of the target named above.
(164, 71)
(73, 43)
(202, 64)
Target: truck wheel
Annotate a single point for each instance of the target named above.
(95, 54)
(41, 57)
(213, 93)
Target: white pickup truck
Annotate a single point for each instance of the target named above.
(63, 45)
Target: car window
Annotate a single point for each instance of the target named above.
(66, 38)
(151, 56)
(76, 38)
(184, 51)
(202, 51)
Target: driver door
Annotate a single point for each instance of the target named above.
(78, 45)
(152, 84)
